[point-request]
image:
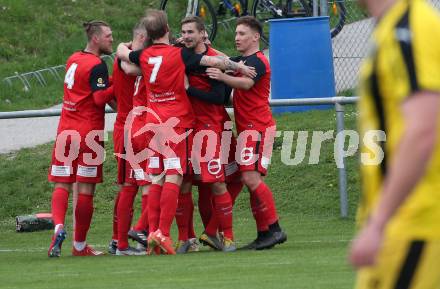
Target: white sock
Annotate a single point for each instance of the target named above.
(57, 227)
(79, 246)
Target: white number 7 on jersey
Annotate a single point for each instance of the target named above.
(157, 61)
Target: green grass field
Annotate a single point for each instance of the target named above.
(307, 199)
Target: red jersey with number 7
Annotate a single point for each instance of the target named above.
(163, 69)
(85, 74)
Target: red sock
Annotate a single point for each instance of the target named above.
(191, 232)
(154, 206)
(223, 210)
(115, 216)
(204, 203)
(83, 216)
(234, 189)
(142, 223)
(258, 211)
(125, 207)
(183, 215)
(60, 202)
(265, 196)
(168, 206)
(213, 224)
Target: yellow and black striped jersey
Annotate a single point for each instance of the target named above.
(404, 58)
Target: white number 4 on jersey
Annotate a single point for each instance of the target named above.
(69, 79)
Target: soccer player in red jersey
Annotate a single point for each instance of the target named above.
(123, 88)
(207, 98)
(163, 68)
(131, 96)
(78, 152)
(256, 127)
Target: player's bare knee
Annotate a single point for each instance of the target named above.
(175, 179)
(185, 188)
(86, 188)
(251, 179)
(219, 188)
(66, 186)
(145, 189)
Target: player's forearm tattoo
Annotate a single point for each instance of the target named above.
(227, 64)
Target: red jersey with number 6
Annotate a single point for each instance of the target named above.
(85, 73)
(251, 107)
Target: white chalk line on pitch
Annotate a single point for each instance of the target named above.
(41, 249)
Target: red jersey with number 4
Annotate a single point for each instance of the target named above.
(85, 73)
(163, 69)
(124, 89)
(251, 107)
(208, 115)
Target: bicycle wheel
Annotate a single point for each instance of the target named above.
(337, 13)
(176, 11)
(264, 10)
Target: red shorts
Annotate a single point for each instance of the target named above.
(170, 148)
(137, 147)
(213, 155)
(76, 158)
(125, 172)
(254, 150)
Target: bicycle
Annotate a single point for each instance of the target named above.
(263, 10)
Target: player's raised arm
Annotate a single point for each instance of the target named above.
(224, 63)
(130, 64)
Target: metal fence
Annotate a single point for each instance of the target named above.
(351, 44)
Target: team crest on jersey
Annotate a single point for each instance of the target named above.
(100, 82)
(247, 155)
(214, 166)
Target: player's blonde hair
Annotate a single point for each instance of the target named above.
(94, 27)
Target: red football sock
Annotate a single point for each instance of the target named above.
(168, 206)
(234, 189)
(60, 202)
(265, 196)
(142, 223)
(213, 224)
(83, 216)
(154, 206)
(223, 210)
(258, 211)
(115, 216)
(183, 215)
(191, 232)
(125, 207)
(205, 203)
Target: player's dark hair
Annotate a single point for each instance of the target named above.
(156, 23)
(200, 25)
(251, 22)
(139, 28)
(94, 27)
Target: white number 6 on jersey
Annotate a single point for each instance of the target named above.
(157, 61)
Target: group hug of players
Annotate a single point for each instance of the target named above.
(172, 132)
